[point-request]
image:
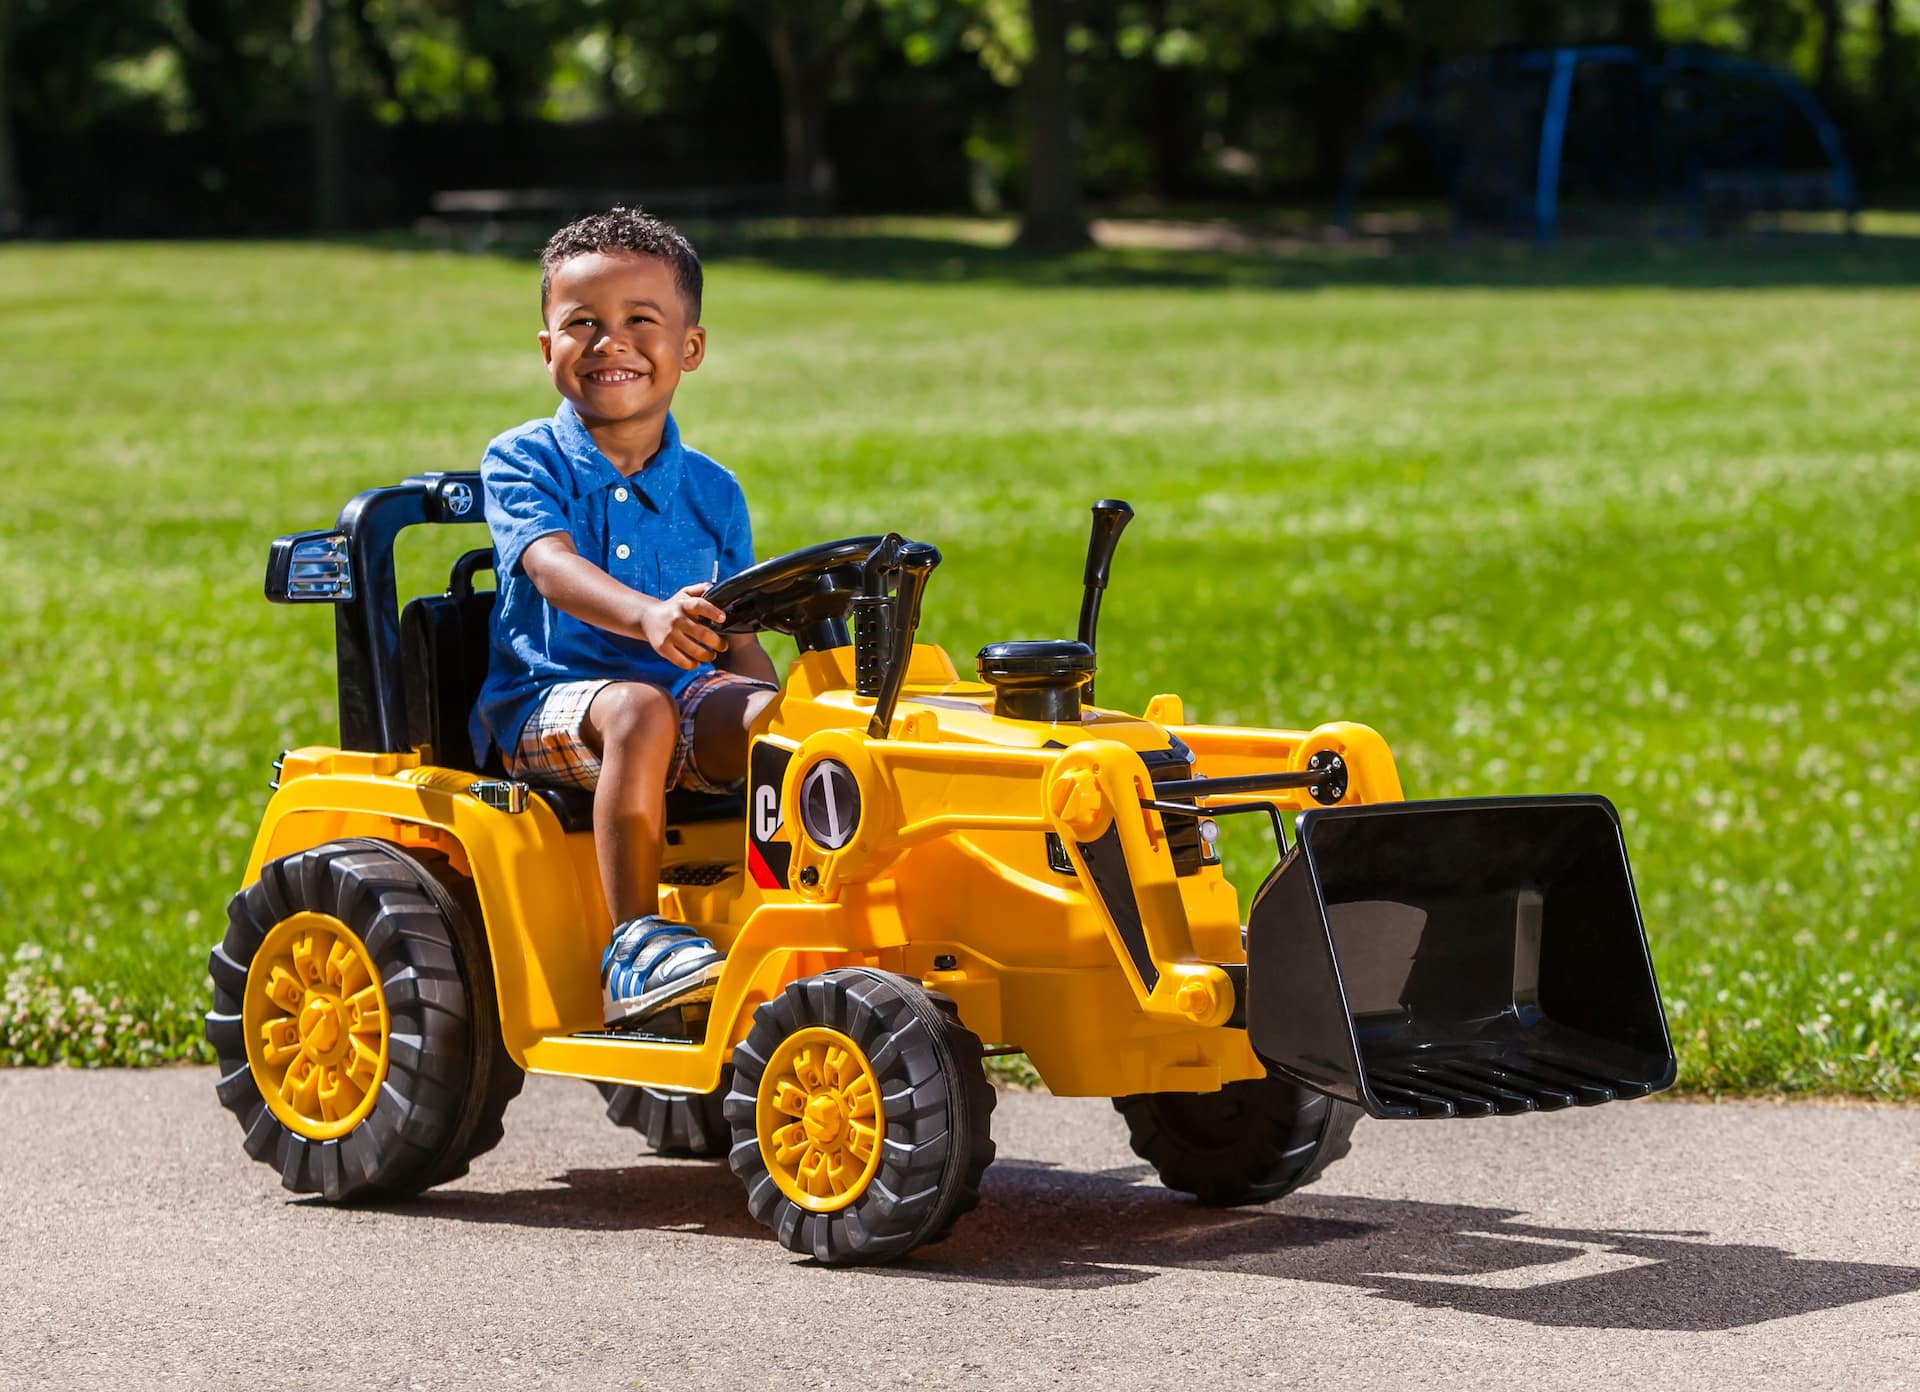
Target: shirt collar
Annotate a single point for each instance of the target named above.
(657, 482)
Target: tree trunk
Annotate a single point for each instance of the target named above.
(207, 36)
(1171, 138)
(1636, 23)
(1826, 76)
(13, 212)
(804, 66)
(1889, 62)
(1055, 220)
(1892, 81)
(329, 193)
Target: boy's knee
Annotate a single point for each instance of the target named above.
(628, 713)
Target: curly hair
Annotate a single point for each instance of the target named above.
(629, 230)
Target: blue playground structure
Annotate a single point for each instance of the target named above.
(1697, 138)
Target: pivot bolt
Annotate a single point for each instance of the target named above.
(1332, 784)
(1195, 1000)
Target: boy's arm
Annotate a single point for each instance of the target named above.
(744, 653)
(675, 627)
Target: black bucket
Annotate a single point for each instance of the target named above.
(1468, 958)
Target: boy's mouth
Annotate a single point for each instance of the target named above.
(612, 376)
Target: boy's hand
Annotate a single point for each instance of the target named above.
(677, 627)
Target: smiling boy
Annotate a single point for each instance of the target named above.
(607, 670)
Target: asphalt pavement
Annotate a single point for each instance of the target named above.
(1651, 1244)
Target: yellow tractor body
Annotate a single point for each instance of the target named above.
(922, 868)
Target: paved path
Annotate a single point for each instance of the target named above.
(1644, 1245)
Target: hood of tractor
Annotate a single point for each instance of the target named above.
(938, 705)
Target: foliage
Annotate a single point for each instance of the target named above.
(45, 1021)
(1631, 520)
(1280, 86)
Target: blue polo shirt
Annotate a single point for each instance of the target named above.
(680, 520)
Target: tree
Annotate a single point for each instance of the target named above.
(1024, 44)
(517, 41)
(811, 45)
(1637, 24)
(13, 212)
(1826, 71)
(1056, 218)
(1892, 78)
(329, 192)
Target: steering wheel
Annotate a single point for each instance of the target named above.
(805, 593)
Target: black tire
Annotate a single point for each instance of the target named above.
(692, 1125)
(495, 1079)
(1248, 1143)
(936, 1106)
(448, 1077)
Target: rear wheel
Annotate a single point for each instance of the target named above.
(860, 1116)
(1249, 1142)
(354, 1022)
(689, 1124)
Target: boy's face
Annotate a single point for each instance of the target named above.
(617, 336)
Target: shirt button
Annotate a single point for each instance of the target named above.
(623, 551)
(619, 495)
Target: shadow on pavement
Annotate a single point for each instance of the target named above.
(1042, 1227)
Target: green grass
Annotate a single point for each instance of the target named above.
(1636, 520)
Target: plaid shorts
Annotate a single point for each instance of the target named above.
(553, 749)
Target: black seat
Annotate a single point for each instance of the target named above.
(443, 661)
(444, 641)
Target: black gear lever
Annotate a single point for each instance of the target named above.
(1110, 518)
(916, 561)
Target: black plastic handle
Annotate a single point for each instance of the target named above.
(916, 560)
(1110, 518)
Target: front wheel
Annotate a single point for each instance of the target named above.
(860, 1116)
(1248, 1143)
(354, 1022)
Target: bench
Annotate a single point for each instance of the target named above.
(479, 218)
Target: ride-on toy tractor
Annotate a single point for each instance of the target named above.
(919, 862)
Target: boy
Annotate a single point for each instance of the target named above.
(607, 670)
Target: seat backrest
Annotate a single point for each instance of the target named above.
(443, 660)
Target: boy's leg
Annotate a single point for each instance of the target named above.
(721, 718)
(632, 727)
(621, 739)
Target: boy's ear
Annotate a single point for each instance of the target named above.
(695, 351)
(546, 348)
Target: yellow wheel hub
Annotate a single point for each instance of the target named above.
(316, 1025)
(819, 1119)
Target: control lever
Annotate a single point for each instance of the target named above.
(1110, 518)
(916, 560)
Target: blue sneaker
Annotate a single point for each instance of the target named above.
(653, 963)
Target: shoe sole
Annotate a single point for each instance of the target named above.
(688, 990)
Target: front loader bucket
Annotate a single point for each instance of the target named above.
(1436, 959)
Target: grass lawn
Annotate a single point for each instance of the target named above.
(1640, 521)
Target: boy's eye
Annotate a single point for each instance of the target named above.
(581, 322)
(641, 319)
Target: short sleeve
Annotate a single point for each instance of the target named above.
(523, 500)
(736, 547)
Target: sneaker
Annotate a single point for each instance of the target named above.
(653, 963)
